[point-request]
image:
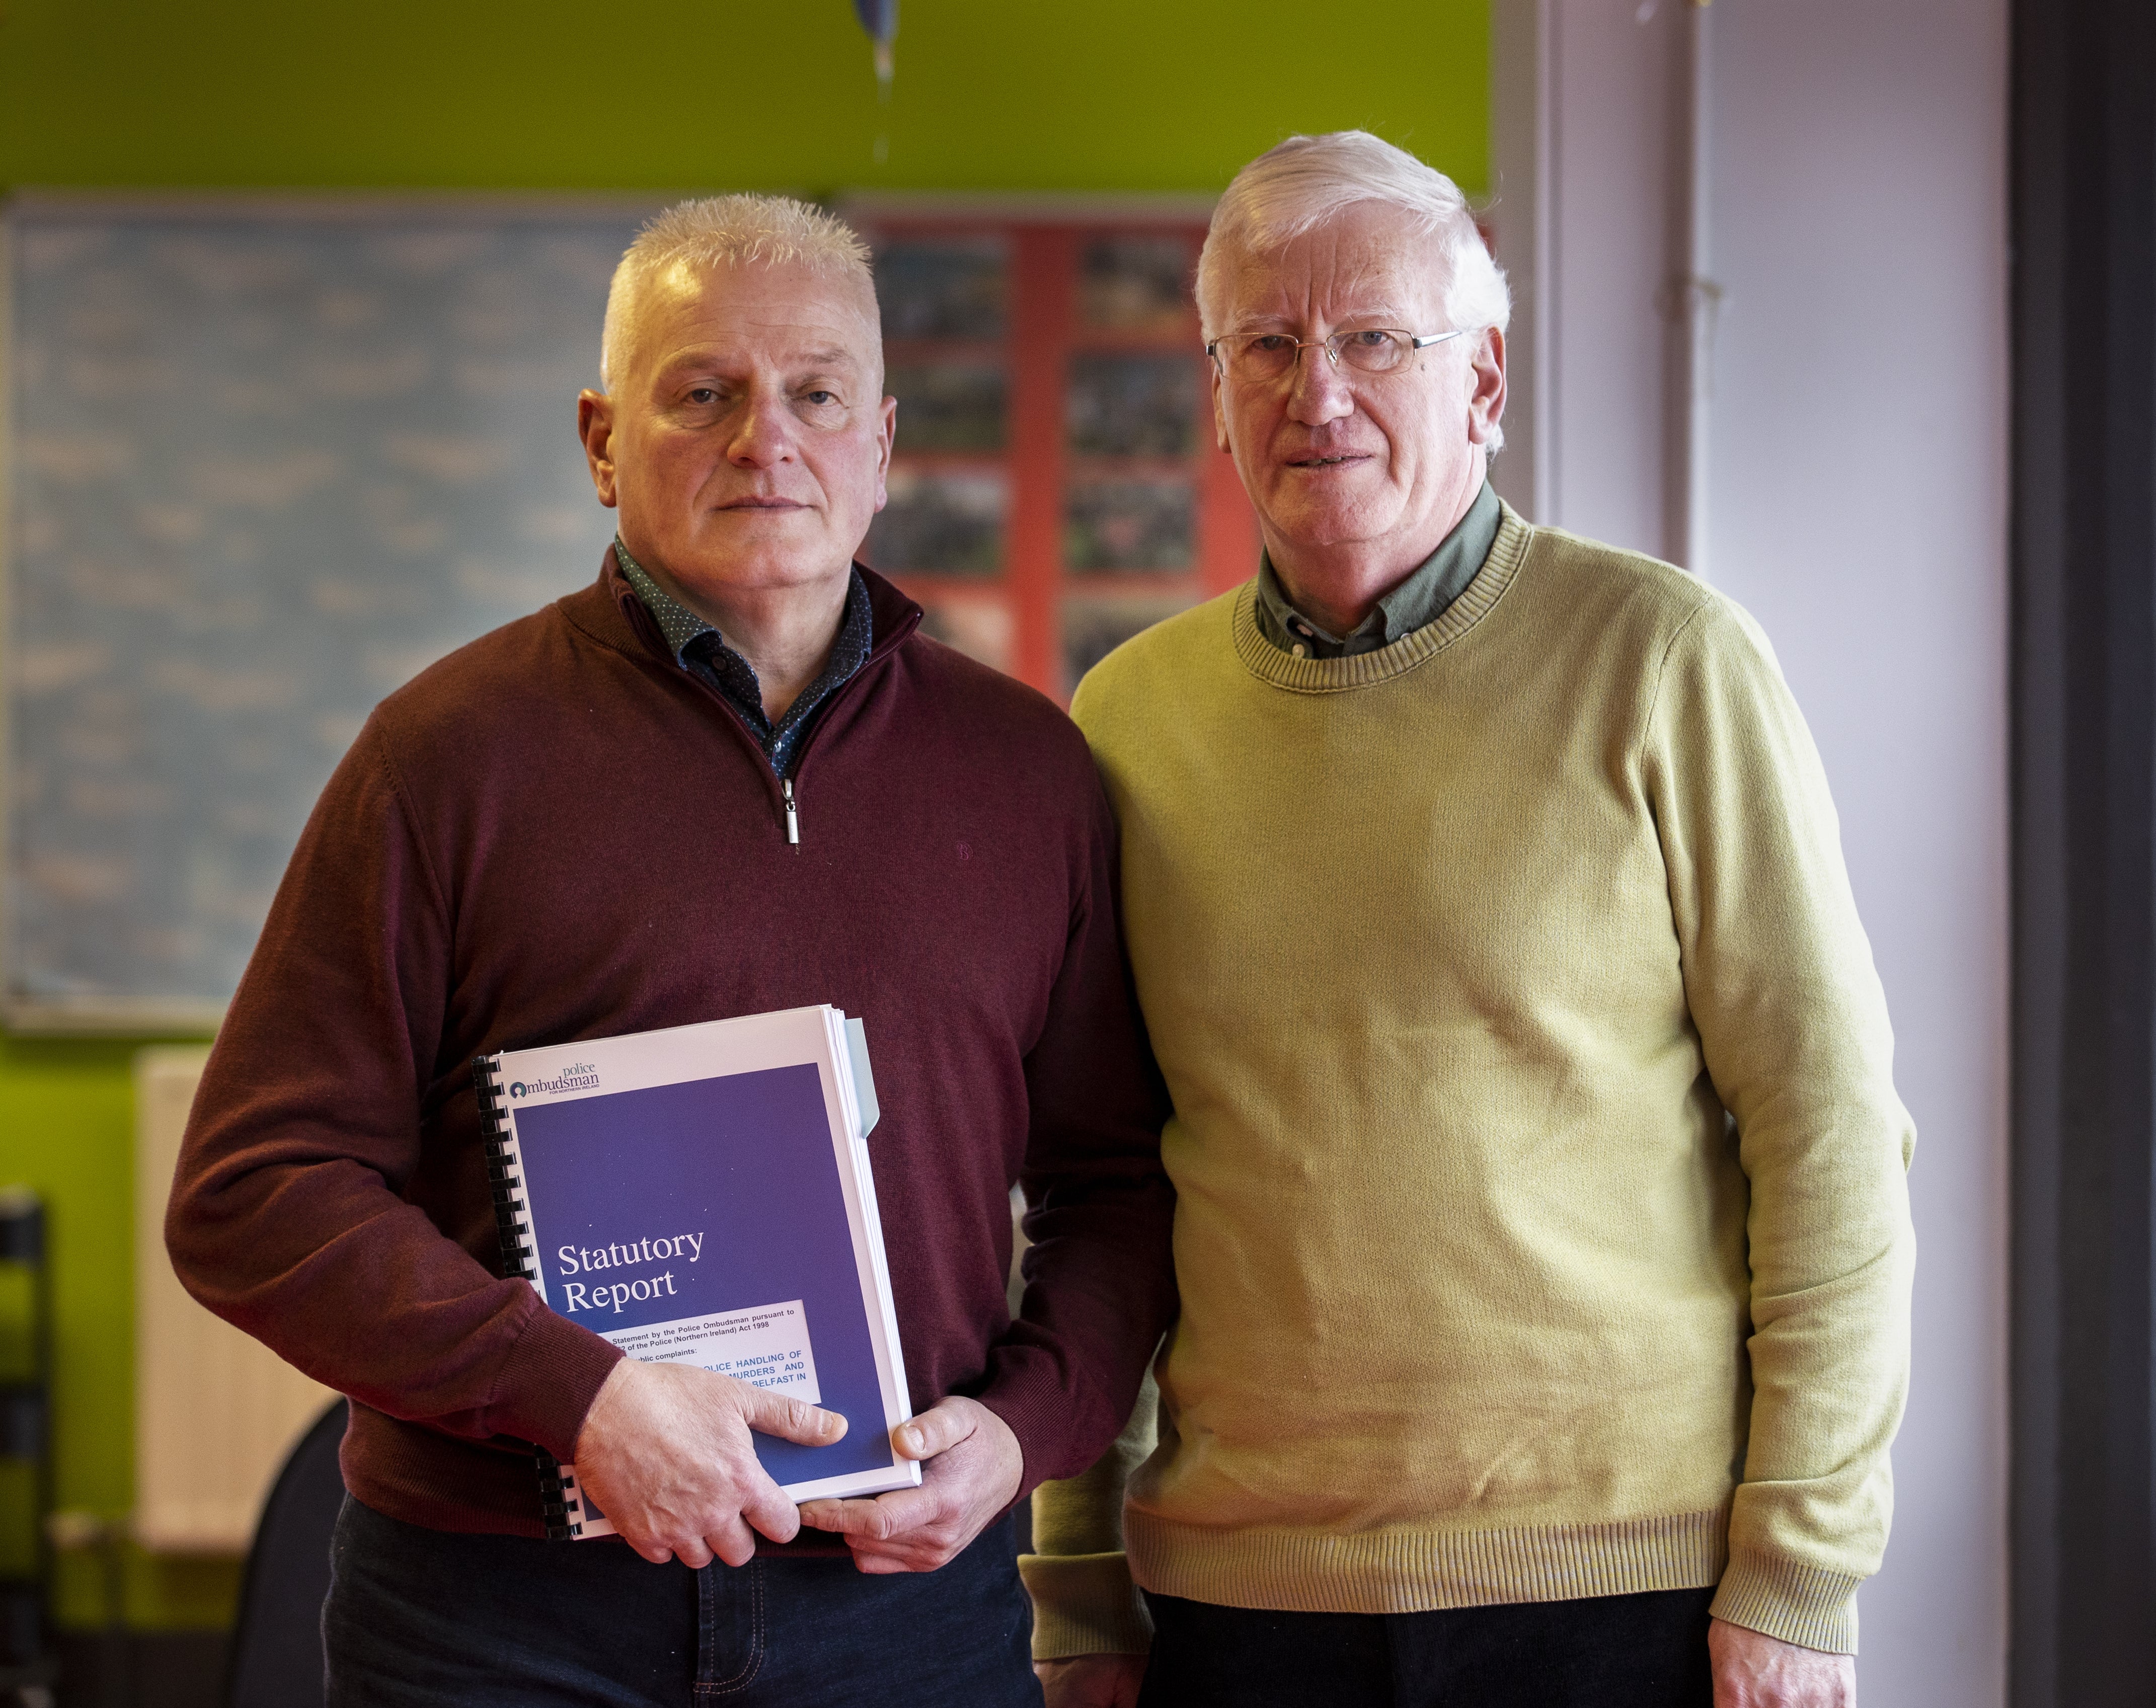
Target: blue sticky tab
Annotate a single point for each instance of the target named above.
(857, 1049)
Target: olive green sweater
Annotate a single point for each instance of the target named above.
(1542, 1228)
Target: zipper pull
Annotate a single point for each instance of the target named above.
(793, 818)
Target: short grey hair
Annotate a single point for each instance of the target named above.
(729, 231)
(1305, 181)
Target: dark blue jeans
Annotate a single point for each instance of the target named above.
(1613, 1651)
(421, 1618)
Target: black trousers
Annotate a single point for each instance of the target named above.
(1613, 1651)
(421, 1618)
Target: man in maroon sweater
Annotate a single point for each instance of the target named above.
(728, 777)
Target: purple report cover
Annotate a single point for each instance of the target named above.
(703, 1223)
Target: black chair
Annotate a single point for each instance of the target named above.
(277, 1645)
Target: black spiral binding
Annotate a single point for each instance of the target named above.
(556, 1491)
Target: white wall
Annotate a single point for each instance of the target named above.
(1857, 493)
(1858, 510)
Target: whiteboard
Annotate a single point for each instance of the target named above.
(264, 461)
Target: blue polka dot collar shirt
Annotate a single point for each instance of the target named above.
(700, 649)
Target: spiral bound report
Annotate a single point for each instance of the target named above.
(502, 1169)
(560, 1499)
(703, 1195)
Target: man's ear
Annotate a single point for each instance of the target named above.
(1486, 404)
(595, 428)
(1220, 407)
(886, 437)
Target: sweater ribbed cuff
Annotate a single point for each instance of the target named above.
(1798, 1604)
(554, 1374)
(1048, 1421)
(1084, 1604)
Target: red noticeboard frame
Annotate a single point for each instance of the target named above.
(1044, 328)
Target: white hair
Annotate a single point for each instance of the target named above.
(728, 231)
(1303, 182)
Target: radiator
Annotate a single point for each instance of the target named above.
(215, 1411)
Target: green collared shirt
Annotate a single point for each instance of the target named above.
(1434, 583)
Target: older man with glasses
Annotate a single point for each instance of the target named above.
(1543, 1233)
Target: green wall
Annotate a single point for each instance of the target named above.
(1006, 94)
(635, 95)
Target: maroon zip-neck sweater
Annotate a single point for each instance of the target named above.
(557, 833)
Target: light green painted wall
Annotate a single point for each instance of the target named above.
(67, 1128)
(1010, 94)
(991, 95)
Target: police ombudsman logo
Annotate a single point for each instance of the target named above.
(516, 1089)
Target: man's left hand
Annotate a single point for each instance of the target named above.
(1754, 1670)
(972, 1473)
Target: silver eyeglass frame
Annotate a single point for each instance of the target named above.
(1331, 345)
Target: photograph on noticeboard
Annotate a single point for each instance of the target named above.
(1094, 627)
(940, 522)
(944, 287)
(949, 406)
(1120, 405)
(981, 628)
(1137, 283)
(1128, 525)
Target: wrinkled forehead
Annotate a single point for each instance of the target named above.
(1367, 259)
(786, 311)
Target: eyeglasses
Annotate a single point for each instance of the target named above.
(1255, 358)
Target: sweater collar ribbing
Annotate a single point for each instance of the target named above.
(609, 610)
(1270, 664)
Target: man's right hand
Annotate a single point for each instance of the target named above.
(1754, 1670)
(1091, 1680)
(666, 1454)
